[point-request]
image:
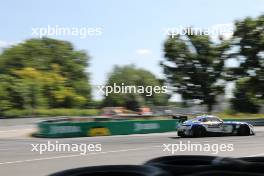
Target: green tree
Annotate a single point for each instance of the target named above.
(193, 67)
(11, 93)
(44, 73)
(248, 41)
(51, 89)
(132, 76)
(244, 100)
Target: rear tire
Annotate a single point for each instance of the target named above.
(198, 131)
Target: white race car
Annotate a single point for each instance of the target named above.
(207, 124)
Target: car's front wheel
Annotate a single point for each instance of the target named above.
(181, 134)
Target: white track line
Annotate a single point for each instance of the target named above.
(6, 131)
(70, 156)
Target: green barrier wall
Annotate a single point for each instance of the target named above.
(79, 129)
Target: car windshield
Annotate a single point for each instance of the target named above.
(213, 119)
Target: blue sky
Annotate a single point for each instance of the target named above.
(132, 31)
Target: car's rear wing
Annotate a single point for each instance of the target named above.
(181, 118)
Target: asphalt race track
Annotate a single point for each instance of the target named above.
(17, 157)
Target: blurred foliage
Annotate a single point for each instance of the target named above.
(40, 74)
(130, 75)
(194, 66)
(244, 100)
(17, 113)
(95, 104)
(227, 115)
(43, 73)
(248, 41)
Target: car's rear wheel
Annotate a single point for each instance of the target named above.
(198, 131)
(244, 130)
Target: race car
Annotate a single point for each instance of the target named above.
(207, 125)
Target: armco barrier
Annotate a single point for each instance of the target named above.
(57, 129)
